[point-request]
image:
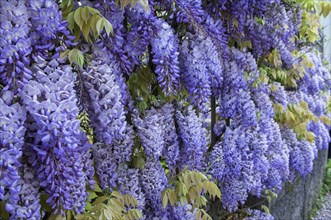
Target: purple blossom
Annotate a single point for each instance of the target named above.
(255, 214)
(61, 147)
(153, 181)
(171, 142)
(12, 118)
(192, 139)
(15, 44)
(128, 183)
(28, 206)
(165, 57)
(150, 132)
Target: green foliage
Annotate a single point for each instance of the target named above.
(89, 22)
(142, 86)
(67, 7)
(287, 77)
(114, 206)
(191, 187)
(296, 117)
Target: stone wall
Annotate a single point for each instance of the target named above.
(296, 200)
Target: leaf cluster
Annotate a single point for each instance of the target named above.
(89, 22)
(191, 187)
(296, 117)
(114, 206)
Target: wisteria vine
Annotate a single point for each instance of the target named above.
(138, 110)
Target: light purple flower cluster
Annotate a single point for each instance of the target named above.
(171, 139)
(28, 206)
(192, 138)
(59, 144)
(255, 214)
(165, 57)
(184, 211)
(15, 44)
(150, 132)
(202, 73)
(142, 31)
(105, 108)
(128, 183)
(12, 118)
(153, 181)
(48, 28)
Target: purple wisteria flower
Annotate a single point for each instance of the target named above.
(12, 130)
(29, 206)
(49, 32)
(192, 139)
(165, 57)
(15, 44)
(60, 145)
(153, 181)
(171, 142)
(150, 131)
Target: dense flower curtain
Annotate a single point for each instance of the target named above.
(153, 109)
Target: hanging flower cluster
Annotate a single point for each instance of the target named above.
(156, 105)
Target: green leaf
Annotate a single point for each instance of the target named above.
(108, 27)
(85, 14)
(165, 199)
(86, 32)
(100, 25)
(265, 209)
(78, 19)
(92, 195)
(108, 215)
(76, 56)
(117, 194)
(71, 21)
(100, 200)
(97, 188)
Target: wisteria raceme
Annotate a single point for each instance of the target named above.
(29, 206)
(12, 118)
(15, 44)
(128, 183)
(171, 142)
(184, 211)
(165, 57)
(105, 107)
(300, 153)
(217, 162)
(279, 95)
(192, 138)
(150, 132)
(255, 214)
(202, 73)
(153, 181)
(59, 143)
(144, 27)
(194, 73)
(114, 45)
(48, 28)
